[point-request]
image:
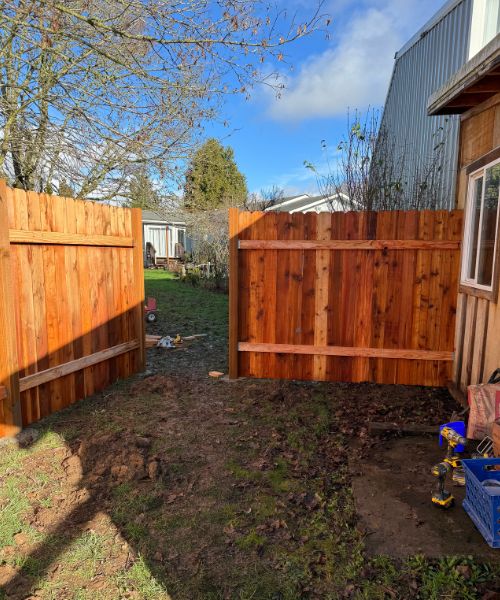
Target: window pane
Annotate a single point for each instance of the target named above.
(491, 14)
(488, 226)
(474, 226)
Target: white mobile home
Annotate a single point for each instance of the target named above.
(168, 238)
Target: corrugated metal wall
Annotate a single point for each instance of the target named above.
(418, 72)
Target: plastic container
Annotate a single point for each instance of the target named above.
(482, 503)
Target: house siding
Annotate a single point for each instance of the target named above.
(477, 352)
(419, 70)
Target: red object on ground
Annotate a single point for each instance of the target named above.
(150, 304)
(150, 310)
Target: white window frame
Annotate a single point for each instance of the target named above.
(477, 39)
(489, 290)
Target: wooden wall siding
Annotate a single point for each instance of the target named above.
(478, 341)
(479, 134)
(478, 320)
(319, 313)
(74, 300)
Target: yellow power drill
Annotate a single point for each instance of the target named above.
(452, 461)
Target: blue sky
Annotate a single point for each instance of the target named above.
(272, 137)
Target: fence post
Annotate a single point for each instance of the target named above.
(233, 292)
(10, 406)
(139, 285)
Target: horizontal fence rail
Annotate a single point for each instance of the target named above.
(18, 236)
(348, 245)
(345, 351)
(71, 302)
(344, 296)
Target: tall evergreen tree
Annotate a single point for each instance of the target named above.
(141, 191)
(213, 179)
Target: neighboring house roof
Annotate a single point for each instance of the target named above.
(150, 216)
(422, 66)
(306, 203)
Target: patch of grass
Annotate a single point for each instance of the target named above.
(242, 473)
(141, 579)
(446, 576)
(128, 503)
(88, 549)
(31, 566)
(135, 532)
(251, 540)
(184, 309)
(13, 505)
(278, 477)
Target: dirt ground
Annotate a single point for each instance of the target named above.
(392, 496)
(173, 485)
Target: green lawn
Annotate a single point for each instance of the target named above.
(188, 310)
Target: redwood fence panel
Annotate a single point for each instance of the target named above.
(357, 296)
(71, 302)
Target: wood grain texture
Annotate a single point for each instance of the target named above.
(385, 283)
(30, 381)
(10, 406)
(233, 292)
(18, 236)
(75, 289)
(347, 244)
(468, 342)
(346, 351)
(138, 287)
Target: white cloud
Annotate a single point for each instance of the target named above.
(354, 71)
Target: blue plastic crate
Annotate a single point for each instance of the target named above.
(482, 504)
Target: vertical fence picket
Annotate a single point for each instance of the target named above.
(10, 405)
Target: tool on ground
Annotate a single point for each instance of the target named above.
(166, 342)
(150, 310)
(456, 444)
(451, 463)
(442, 497)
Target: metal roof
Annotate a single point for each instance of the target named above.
(432, 22)
(422, 66)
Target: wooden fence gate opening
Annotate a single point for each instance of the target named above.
(71, 302)
(358, 296)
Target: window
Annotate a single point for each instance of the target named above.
(481, 230)
(485, 24)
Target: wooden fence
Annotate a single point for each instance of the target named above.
(71, 302)
(344, 296)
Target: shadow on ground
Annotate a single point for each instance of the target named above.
(187, 488)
